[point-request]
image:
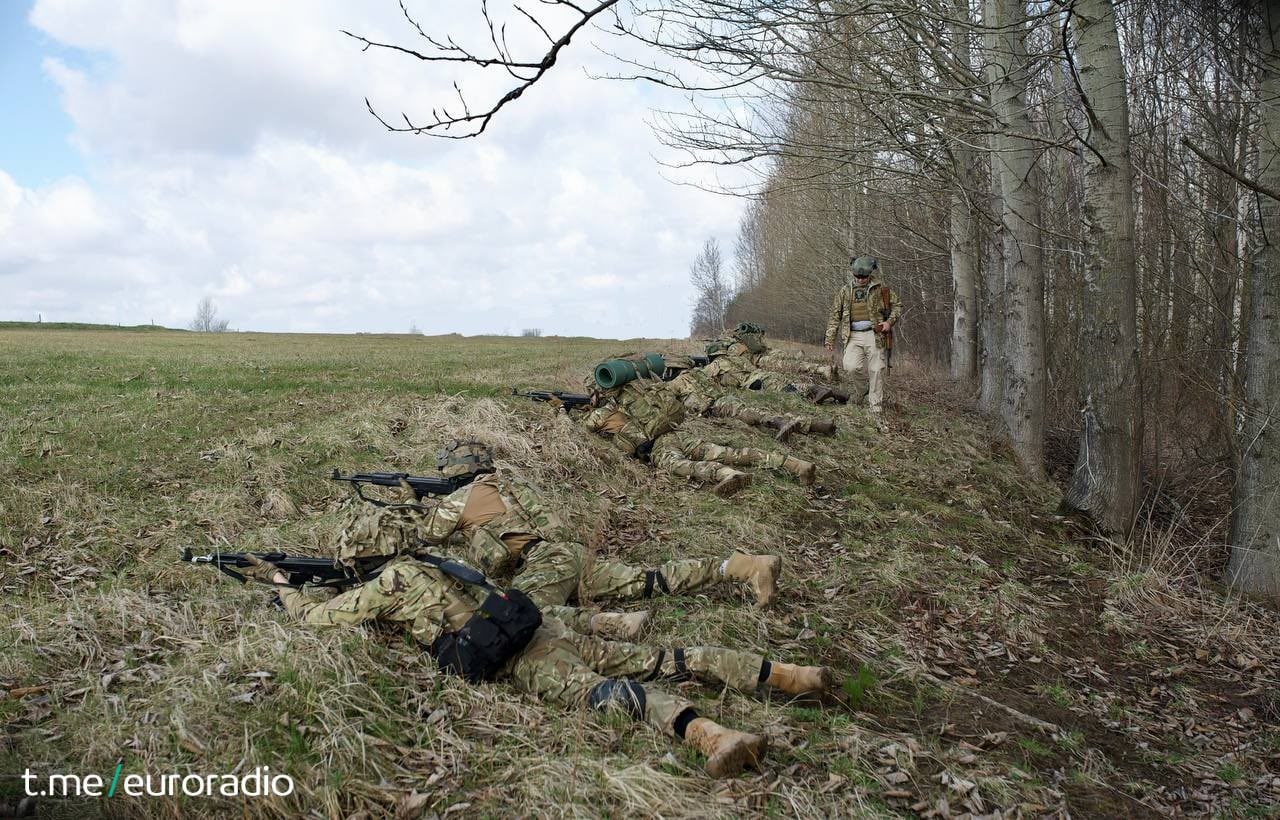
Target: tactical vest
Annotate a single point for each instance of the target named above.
(859, 310)
(526, 514)
(654, 411)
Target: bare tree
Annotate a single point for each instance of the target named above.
(531, 332)
(707, 275)
(1255, 529)
(1023, 406)
(1105, 483)
(206, 319)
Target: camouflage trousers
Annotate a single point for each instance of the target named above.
(684, 454)
(562, 666)
(556, 572)
(732, 407)
(790, 362)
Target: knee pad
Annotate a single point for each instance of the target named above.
(626, 695)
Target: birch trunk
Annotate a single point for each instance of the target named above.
(964, 241)
(1106, 481)
(991, 359)
(1255, 528)
(1023, 402)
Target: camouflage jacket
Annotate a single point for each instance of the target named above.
(843, 303)
(696, 390)
(732, 371)
(499, 515)
(419, 597)
(635, 413)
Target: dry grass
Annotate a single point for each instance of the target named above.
(923, 567)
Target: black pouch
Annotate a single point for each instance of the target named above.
(494, 635)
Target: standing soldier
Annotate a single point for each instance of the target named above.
(863, 313)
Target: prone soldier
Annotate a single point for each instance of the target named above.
(739, 371)
(640, 418)
(702, 395)
(552, 663)
(747, 340)
(512, 530)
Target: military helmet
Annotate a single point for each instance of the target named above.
(864, 265)
(469, 457)
(717, 348)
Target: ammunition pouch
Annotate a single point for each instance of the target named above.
(499, 631)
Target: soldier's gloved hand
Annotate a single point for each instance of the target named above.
(407, 495)
(260, 570)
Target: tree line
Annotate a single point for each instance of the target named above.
(1079, 203)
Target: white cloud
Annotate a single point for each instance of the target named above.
(231, 156)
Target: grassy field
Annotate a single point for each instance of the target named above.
(990, 662)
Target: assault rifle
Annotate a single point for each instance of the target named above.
(421, 485)
(301, 569)
(567, 400)
(701, 361)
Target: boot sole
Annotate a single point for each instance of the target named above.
(775, 572)
(730, 486)
(731, 760)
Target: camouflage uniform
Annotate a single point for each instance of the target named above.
(559, 664)
(702, 396)
(509, 529)
(854, 321)
(741, 372)
(684, 454)
(747, 341)
(637, 418)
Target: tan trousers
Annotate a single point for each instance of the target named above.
(864, 362)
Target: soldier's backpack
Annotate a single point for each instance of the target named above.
(501, 629)
(654, 409)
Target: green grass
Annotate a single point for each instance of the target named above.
(120, 446)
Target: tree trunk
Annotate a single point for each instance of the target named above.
(1106, 481)
(1023, 405)
(964, 240)
(991, 387)
(1255, 526)
(964, 274)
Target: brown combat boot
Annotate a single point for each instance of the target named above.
(728, 751)
(805, 471)
(753, 418)
(618, 626)
(839, 395)
(785, 425)
(823, 427)
(760, 571)
(817, 394)
(799, 680)
(730, 482)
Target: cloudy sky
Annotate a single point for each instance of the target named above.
(157, 151)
